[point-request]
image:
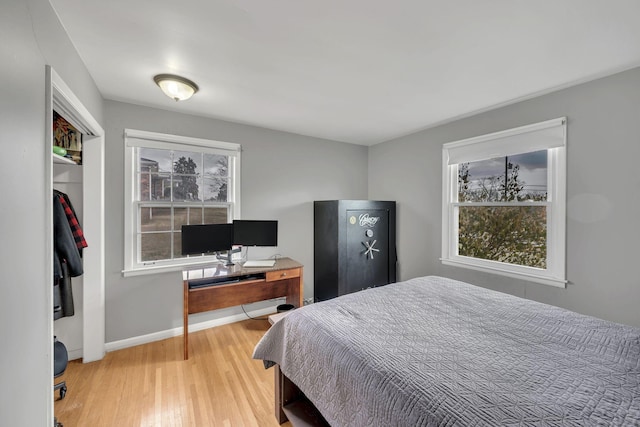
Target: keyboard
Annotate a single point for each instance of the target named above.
(260, 263)
(206, 282)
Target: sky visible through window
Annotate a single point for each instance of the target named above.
(531, 173)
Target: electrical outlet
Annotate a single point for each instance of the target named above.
(307, 301)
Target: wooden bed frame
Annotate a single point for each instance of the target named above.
(292, 405)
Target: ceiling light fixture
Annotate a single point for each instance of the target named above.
(176, 87)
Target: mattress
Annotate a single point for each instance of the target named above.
(437, 352)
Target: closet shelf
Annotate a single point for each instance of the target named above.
(62, 160)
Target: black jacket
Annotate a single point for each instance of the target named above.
(64, 244)
(67, 262)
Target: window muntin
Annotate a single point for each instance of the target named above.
(504, 212)
(174, 181)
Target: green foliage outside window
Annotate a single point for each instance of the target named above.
(515, 235)
(490, 229)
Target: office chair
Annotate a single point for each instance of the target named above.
(60, 360)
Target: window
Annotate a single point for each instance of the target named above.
(504, 202)
(172, 181)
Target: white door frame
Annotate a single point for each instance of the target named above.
(93, 322)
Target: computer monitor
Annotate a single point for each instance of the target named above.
(206, 238)
(255, 232)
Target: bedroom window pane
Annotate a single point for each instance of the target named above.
(153, 160)
(216, 165)
(195, 216)
(177, 244)
(144, 186)
(504, 202)
(187, 162)
(186, 216)
(155, 219)
(516, 178)
(154, 186)
(215, 215)
(155, 246)
(216, 189)
(513, 235)
(186, 187)
(165, 189)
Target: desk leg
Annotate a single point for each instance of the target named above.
(295, 291)
(185, 321)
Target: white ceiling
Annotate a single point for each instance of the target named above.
(358, 71)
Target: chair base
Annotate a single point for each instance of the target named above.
(62, 386)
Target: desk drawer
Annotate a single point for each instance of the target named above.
(282, 274)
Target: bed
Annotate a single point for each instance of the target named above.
(433, 351)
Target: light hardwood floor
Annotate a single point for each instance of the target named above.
(151, 385)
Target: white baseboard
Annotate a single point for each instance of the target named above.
(74, 354)
(170, 333)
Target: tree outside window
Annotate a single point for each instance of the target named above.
(491, 229)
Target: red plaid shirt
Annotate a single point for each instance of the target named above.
(78, 235)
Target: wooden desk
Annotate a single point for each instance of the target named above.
(238, 286)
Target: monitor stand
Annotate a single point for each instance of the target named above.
(227, 258)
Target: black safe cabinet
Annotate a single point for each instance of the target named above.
(354, 246)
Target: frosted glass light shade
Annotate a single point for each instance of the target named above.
(176, 87)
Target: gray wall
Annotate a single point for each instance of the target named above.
(31, 37)
(282, 174)
(603, 195)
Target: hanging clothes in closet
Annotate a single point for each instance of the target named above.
(69, 241)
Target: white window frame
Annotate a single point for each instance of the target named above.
(549, 135)
(138, 138)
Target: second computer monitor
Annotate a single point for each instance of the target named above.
(255, 232)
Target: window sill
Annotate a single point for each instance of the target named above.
(158, 269)
(531, 277)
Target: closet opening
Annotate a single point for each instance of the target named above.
(80, 175)
(69, 238)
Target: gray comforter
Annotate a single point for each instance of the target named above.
(438, 352)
